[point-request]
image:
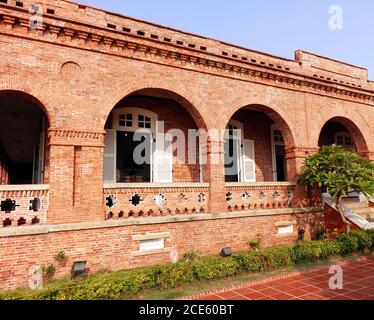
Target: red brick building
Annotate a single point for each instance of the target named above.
(75, 86)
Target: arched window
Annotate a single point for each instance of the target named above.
(344, 139)
(136, 148)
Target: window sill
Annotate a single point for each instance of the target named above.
(150, 252)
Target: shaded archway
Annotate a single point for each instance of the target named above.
(262, 152)
(23, 136)
(140, 111)
(343, 131)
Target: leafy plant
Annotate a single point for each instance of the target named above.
(49, 270)
(255, 244)
(338, 172)
(60, 257)
(305, 251)
(191, 255)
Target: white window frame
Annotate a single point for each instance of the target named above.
(286, 230)
(241, 156)
(134, 128)
(151, 245)
(351, 147)
(239, 141)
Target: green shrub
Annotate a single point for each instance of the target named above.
(364, 240)
(329, 248)
(277, 257)
(248, 261)
(255, 244)
(265, 259)
(191, 255)
(214, 268)
(170, 276)
(348, 243)
(306, 251)
(371, 235)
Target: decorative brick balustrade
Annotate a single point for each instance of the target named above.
(142, 200)
(257, 196)
(23, 205)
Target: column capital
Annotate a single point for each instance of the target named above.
(71, 137)
(300, 152)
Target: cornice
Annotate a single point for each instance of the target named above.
(63, 32)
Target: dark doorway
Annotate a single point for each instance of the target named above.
(23, 127)
(231, 160)
(280, 155)
(128, 170)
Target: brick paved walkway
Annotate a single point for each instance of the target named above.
(313, 285)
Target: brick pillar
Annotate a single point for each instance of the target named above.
(76, 177)
(367, 155)
(216, 176)
(295, 158)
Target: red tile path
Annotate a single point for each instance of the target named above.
(358, 280)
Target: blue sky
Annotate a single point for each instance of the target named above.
(272, 26)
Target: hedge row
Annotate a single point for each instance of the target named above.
(126, 284)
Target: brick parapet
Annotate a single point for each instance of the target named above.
(105, 40)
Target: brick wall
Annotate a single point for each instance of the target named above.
(334, 223)
(112, 248)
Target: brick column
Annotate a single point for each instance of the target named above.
(216, 176)
(295, 158)
(76, 176)
(367, 155)
(304, 196)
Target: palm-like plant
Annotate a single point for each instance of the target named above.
(338, 172)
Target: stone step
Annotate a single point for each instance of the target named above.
(363, 210)
(367, 215)
(357, 205)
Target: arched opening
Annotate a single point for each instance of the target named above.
(23, 136)
(255, 146)
(342, 131)
(150, 139)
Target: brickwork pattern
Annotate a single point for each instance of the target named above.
(81, 62)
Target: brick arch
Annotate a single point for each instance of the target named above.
(353, 129)
(35, 92)
(276, 117)
(184, 96)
